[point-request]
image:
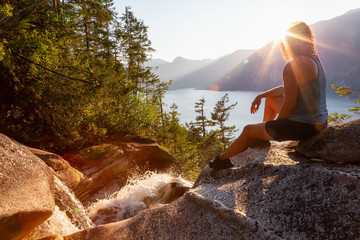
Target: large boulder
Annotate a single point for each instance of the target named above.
(26, 190)
(338, 143)
(271, 193)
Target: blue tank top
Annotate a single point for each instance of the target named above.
(311, 101)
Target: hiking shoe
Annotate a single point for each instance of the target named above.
(220, 164)
(259, 143)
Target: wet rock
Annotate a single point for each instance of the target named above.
(108, 166)
(26, 190)
(168, 193)
(338, 143)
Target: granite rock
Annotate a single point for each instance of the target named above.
(337, 143)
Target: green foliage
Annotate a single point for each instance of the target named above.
(176, 140)
(64, 67)
(211, 137)
(220, 115)
(336, 118)
(343, 91)
(5, 11)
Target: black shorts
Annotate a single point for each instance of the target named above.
(284, 129)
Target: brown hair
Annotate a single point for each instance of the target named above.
(296, 33)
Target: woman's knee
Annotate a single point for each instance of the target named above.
(249, 129)
(254, 130)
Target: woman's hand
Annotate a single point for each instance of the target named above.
(255, 104)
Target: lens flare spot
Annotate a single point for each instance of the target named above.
(214, 87)
(246, 61)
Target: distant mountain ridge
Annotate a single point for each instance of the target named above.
(199, 74)
(179, 67)
(338, 45)
(206, 77)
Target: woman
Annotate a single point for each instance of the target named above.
(299, 104)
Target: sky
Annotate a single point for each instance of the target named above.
(209, 29)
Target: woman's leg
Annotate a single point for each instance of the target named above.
(272, 107)
(255, 131)
(249, 133)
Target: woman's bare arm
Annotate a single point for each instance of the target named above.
(274, 92)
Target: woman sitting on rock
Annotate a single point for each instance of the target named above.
(299, 104)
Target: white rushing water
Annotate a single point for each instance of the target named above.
(129, 201)
(69, 215)
(71, 206)
(58, 223)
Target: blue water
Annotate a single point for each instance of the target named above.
(240, 115)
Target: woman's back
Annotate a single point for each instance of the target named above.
(311, 100)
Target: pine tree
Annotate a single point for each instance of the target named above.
(201, 120)
(135, 51)
(201, 124)
(220, 115)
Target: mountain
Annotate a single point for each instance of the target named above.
(338, 45)
(207, 76)
(176, 69)
(154, 63)
(339, 48)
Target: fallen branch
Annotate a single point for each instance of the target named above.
(34, 6)
(53, 71)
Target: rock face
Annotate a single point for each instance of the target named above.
(26, 190)
(338, 143)
(271, 193)
(63, 170)
(108, 166)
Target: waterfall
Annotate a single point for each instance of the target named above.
(69, 215)
(58, 223)
(140, 193)
(131, 199)
(68, 203)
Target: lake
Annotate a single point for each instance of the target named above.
(240, 115)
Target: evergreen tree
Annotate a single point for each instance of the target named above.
(220, 115)
(135, 51)
(201, 120)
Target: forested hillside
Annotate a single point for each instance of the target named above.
(74, 67)
(74, 72)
